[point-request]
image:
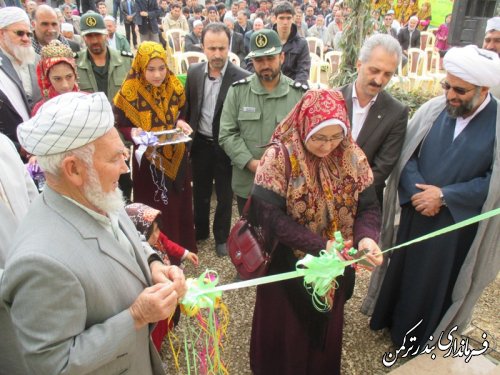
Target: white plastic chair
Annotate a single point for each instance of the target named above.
(333, 59)
(315, 45)
(233, 57)
(183, 60)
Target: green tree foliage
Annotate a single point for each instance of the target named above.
(356, 27)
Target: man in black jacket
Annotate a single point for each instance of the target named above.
(206, 88)
(236, 44)
(409, 36)
(146, 17)
(297, 62)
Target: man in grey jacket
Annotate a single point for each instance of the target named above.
(81, 290)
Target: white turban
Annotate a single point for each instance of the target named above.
(67, 27)
(66, 122)
(474, 65)
(493, 24)
(10, 15)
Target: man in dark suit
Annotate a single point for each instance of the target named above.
(378, 120)
(206, 88)
(19, 90)
(236, 44)
(409, 36)
(192, 41)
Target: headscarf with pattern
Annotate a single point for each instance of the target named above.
(153, 108)
(321, 193)
(142, 216)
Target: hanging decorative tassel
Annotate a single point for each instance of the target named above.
(206, 327)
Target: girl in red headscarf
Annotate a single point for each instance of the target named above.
(56, 72)
(328, 189)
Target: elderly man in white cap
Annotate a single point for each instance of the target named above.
(448, 172)
(81, 290)
(492, 43)
(192, 41)
(18, 83)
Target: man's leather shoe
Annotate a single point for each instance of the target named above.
(221, 250)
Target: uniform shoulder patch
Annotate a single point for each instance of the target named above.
(126, 53)
(241, 81)
(300, 85)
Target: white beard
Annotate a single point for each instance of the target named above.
(24, 54)
(109, 203)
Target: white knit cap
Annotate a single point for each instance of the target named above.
(67, 27)
(493, 24)
(10, 15)
(474, 65)
(66, 122)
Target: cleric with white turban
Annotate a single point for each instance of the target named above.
(474, 65)
(10, 15)
(66, 122)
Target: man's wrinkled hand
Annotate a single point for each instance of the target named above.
(155, 303)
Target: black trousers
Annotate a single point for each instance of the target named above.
(210, 163)
(130, 29)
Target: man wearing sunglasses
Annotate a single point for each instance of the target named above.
(448, 172)
(18, 83)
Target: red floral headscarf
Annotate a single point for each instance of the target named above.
(52, 54)
(322, 193)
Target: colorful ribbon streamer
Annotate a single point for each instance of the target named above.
(335, 264)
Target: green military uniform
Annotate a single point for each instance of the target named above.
(108, 78)
(251, 113)
(118, 68)
(249, 117)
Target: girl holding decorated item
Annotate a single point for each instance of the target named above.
(56, 72)
(147, 222)
(329, 189)
(149, 101)
(424, 16)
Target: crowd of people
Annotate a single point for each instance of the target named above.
(90, 268)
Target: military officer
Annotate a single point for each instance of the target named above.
(100, 68)
(252, 109)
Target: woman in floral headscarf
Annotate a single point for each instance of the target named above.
(328, 189)
(150, 99)
(56, 72)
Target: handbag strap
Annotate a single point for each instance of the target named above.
(288, 172)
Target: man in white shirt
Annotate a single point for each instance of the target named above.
(19, 90)
(378, 120)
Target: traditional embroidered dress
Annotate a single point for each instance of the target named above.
(52, 54)
(143, 217)
(139, 104)
(424, 16)
(321, 195)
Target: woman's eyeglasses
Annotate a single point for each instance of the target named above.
(21, 33)
(459, 90)
(325, 140)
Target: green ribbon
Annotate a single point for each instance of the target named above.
(201, 292)
(318, 272)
